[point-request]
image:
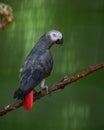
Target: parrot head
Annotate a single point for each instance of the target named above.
(55, 37)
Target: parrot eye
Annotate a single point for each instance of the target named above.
(54, 35)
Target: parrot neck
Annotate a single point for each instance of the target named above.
(44, 43)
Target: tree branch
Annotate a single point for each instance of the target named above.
(65, 81)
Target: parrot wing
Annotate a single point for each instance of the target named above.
(29, 80)
(36, 67)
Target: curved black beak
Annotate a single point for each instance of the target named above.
(59, 41)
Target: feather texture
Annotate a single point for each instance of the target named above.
(28, 100)
(37, 66)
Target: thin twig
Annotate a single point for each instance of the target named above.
(65, 81)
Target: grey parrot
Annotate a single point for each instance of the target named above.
(37, 66)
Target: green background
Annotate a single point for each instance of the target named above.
(79, 106)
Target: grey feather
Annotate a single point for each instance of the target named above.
(37, 66)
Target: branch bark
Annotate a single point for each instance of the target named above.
(65, 81)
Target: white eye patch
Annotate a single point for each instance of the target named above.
(54, 35)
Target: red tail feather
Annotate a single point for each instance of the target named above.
(28, 101)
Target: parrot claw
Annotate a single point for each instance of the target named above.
(47, 89)
(44, 88)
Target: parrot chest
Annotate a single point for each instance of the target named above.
(44, 63)
(41, 62)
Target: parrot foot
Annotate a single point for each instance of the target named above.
(44, 87)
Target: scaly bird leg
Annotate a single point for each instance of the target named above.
(43, 86)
